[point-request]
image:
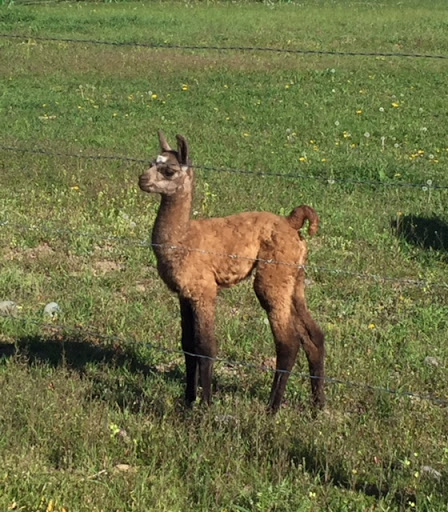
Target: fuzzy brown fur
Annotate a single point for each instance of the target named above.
(197, 257)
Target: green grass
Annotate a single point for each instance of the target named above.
(95, 422)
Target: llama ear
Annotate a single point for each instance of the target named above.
(182, 149)
(164, 146)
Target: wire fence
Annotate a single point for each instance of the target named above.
(89, 333)
(181, 248)
(428, 185)
(5, 223)
(166, 46)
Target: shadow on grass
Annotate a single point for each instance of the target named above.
(98, 362)
(427, 233)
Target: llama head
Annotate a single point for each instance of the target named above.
(170, 172)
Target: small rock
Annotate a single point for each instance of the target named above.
(432, 361)
(124, 468)
(52, 310)
(433, 473)
(8, 308)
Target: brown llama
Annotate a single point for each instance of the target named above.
(193, 260)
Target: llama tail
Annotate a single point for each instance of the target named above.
(298, 216)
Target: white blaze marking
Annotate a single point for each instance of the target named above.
(161, 159)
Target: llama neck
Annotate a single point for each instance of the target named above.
(173, 218)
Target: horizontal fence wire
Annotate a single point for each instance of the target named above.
(429, 185)
(290, 51)
(81, 331)
(144, 243)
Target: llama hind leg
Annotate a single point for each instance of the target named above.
(191, 361)
(286, 346)
(313, 344)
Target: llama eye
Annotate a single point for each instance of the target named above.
(168, 172)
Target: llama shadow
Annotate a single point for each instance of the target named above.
(78, 353)
(426, 233)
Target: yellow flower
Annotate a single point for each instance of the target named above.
(395, 104)
(154, 96)
(372, 326)
(302, 159)
(75, 187)
(185, 87)
(245, 134)
(323, 160)
(359, 111)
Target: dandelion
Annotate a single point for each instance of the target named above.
(425, 189)
(366, 135)
(332, 71)
(396, 145)
(333, 90)
(302, 159)
(395, 104)
(423, 129)
(381, 109)
(431, 156)
(154, 96)
(75, 187)
(372, 326)
(346, 134)
(359, 111)
(287, 86)
(397, 175)
(185, 87)
(336, 123)
(245, 134)
(331, 181)
(312, 494)
(429, 183)
(323, 160)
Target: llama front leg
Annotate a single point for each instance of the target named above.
(205, 343)
(188, 346)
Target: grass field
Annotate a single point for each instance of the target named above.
(91, 414)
